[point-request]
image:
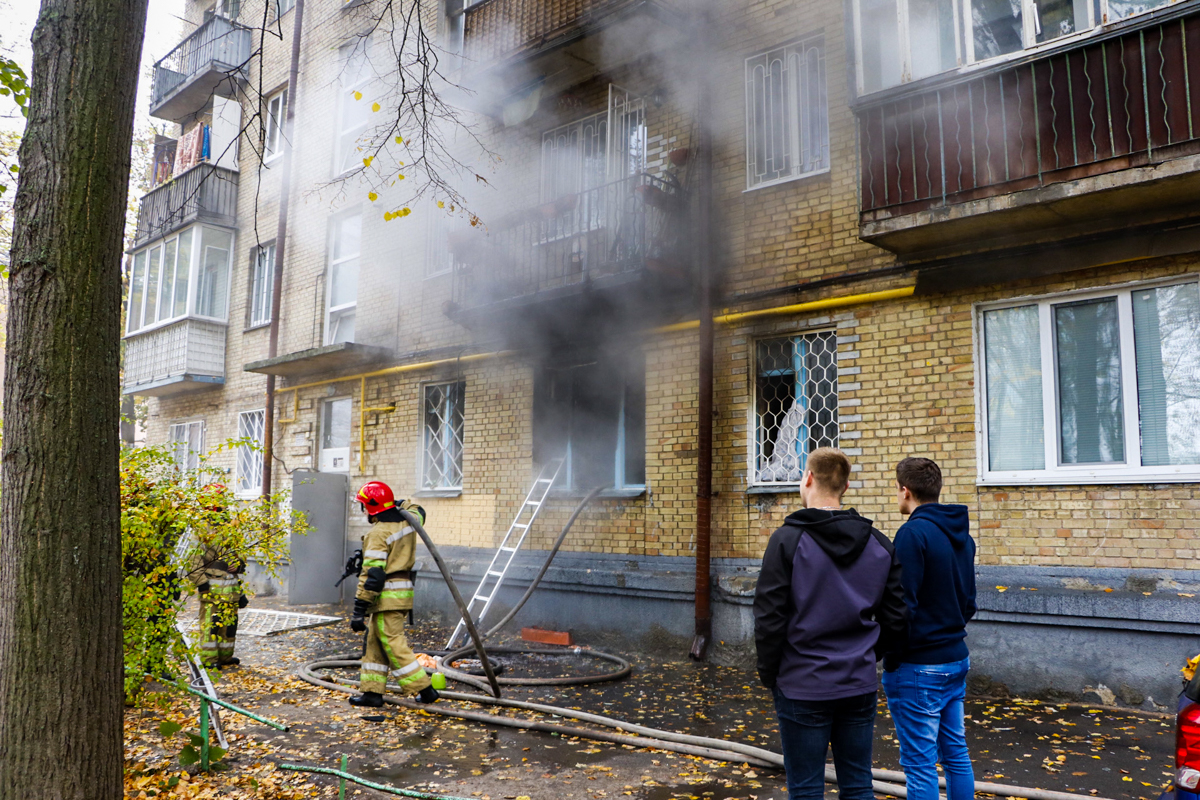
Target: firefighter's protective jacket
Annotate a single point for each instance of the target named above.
(390, 548)
(219, 570)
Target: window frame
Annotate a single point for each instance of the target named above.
(461, 385)
(254, 456)
(191, 301)
(753, 482)
(1055, 473)
(344, 310)
(186, 425)
(320, 449)
(275, 121)
(261, 293)
(818, 40)
(348, 83)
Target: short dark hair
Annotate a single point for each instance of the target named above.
(830, 469)
(922, 477)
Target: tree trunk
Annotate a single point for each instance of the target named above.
(60, 546)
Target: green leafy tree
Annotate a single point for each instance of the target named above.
(163, 509)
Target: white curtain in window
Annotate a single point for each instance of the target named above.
(1014, 389)
(1166, 329)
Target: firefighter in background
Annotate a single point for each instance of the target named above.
(215, 572)
(384, 598)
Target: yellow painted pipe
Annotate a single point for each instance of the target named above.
(797, 308)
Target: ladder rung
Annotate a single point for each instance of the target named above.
(508, 549)
(496, 573)
(486, 599)
(520, 525)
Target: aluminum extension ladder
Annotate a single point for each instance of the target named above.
(489, 585)
(201, 682)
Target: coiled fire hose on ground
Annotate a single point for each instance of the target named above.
(634, 735)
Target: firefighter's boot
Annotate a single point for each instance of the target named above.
(428, 695)
(367, 700)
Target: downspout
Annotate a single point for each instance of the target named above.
(704, 408)
(285, 191)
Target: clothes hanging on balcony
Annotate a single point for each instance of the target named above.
(191, 149)
(206, 147)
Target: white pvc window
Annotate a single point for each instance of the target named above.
(212, 284)
(1094, 387)
(344, 248)
(187, 444)
(787, 114)
(443, 446)
(335, 435)
(262, 276)
(354, 105)
(796, 404)
(158, 284)
(250, 452)
(276, 114)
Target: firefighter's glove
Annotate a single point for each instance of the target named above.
(358, 622)
(243, 601)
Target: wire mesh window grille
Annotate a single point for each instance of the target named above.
(261, 277)
(444, 435)
(787, 113)
(797, 403)
(250, 452)
(187, 442)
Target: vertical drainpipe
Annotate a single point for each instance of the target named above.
(704, 268)
(285, 186)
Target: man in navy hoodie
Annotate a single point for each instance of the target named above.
(926, 682)
(827, 606)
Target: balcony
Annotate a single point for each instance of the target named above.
(618, 249)
(204, 193)
(1063, 144)
(182, 356)
(212, 60)
(510, 46)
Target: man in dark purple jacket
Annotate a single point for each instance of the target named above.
(828, 605)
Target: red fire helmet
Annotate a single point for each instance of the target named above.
(212, 496)
(376, 497)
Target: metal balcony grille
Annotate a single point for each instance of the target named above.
(203, 193)
(797, 403)
(618, 228)
(218, 44)
(1113, 102)
(187, 347)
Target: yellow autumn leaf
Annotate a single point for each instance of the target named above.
(1001, 588)
(401, 176)
(387, 216)
(358, 95)
(404, 212)
(441, 204)
(367, 161)
(399, 140)
(375, 106)
(372, 196)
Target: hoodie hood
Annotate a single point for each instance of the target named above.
(841, 534)
(952, 520)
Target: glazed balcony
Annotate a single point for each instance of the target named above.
(620, 245)
(1101, 133)
(212, 60)
(204, 193)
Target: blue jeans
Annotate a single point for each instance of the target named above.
(926, 702)
(808, 727)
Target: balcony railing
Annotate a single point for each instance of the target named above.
(218, 51)
(1119, 100)
(618, 229)
(205, 193)
(188, 354)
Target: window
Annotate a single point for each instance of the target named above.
(787, 127)
(1097, 387)
(187, 442)
(903, 40)
(346, 241)
(158, 285)
(354, 108)
(439, 259)
(212, 288)
(796, 404)
(594, 415)
(283, 6)
(335, 435)
(443, 436)
(262, 276)
(589, 152)
(250, 453)
(276, 116)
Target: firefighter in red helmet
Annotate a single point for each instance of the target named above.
(215, 572)
(384, 598)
